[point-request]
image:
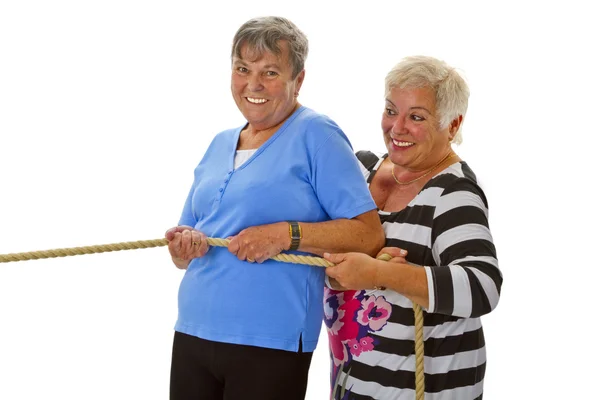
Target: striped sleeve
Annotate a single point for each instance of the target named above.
(466, 280)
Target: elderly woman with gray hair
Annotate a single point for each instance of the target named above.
(435, 216)
(285, 180)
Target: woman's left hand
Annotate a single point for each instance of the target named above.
(259, 243)
(353, 271)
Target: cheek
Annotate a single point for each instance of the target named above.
(386, 125)
(281, 90)
(420, 133)
(237, 84)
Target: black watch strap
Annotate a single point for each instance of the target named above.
(295, 235)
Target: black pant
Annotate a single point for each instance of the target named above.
(207, 370)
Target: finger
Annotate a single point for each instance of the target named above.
(175, 245)
(234, 245)
(170, 233)
(241, 255)
(335, 258)
(246, 251)
(261, 257)
(392, 251)
(179, 228)
(204, 246)
(186, 243)
(332, 272)
(197, 244)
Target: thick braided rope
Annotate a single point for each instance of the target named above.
(290, 258)
(144, 244)
(419, 353)
(419, 345)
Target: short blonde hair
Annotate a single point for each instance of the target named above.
(451, 90)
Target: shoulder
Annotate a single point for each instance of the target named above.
(222, 140)
(317, 132)
(314, 124)
(458, 181)
(369, 159)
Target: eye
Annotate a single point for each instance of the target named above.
(417, 118)
(242, 70)
(390, 112)
(271, 73)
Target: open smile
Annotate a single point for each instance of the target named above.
(255, 100)
(399, 143)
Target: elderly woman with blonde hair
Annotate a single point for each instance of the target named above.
(435, 216)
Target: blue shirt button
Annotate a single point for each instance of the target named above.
(220, 190)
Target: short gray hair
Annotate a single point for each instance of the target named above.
(451, 90)
(262, 34)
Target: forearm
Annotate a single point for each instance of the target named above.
(363, 234)
(408, 280)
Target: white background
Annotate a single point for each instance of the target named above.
(107, 106)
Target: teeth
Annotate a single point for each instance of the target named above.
(402, 144)
(256, 101)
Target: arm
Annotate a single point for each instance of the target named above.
(362, 233)
(466, 280)
(358, 271)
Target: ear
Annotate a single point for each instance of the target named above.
(454, 127)
(299, 80)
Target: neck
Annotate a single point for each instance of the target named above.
(415, 176)
(256, 131)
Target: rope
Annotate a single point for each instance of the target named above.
(289, 258)
(419, 353)
(145, 244)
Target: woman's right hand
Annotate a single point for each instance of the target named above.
(186, 243)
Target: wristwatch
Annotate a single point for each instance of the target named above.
(295, 235)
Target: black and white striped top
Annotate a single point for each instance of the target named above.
(371, 333)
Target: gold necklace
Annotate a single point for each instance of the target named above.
(448, 156)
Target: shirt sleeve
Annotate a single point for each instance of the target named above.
(187, 215)
(336, 175)
(466, 281)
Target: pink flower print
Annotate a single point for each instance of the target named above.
(366, 343)
(346, 311)
(358, 346)
(337, 325)
(375, 312)
(339, 353)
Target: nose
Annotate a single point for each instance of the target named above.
(255, 83)
(398, 126)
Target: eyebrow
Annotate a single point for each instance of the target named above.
(421, 108)
(412, 108)
(276, 66)
(244, 63)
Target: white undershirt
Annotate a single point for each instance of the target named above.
(241, 156)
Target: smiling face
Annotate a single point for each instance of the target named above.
(263, 87)
(411, 129)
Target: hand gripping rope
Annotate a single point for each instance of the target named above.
(289, 258)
